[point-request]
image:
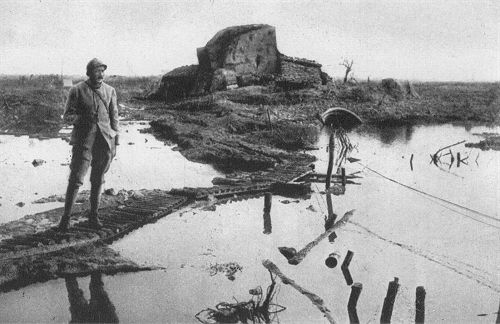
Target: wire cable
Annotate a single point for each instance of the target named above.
(430, 195)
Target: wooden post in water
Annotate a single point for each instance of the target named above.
(420, 305)
(458, 159)
(392, 291)
(343, 176)
(356, 289)
(347, 259)
(411, 162)
(347, 276)
(267, 201)
(331, 145)
(267, 213)
(498, 315)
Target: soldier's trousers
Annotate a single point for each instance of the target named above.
(94, 153)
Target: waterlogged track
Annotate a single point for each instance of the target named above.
(117, 222)
(121, 219)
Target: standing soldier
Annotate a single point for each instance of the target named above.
(92, 109)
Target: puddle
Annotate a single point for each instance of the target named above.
(394, 232)
(142, 162)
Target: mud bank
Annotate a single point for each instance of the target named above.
(256, 128)
(76, 261)
(490, 142)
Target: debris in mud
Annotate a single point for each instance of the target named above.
(110, 192)
(38, 162)
(311, 208)
(218, 181)
(257, 310)
(209, 208)
(20, 204)
(287, 252)
(336, 189)
(229, 269)
(286, 201)
(352, 159)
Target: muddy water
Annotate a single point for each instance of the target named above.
(142, 161)
(396, 232)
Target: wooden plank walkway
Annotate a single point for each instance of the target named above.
(117, 222)
(125, 218)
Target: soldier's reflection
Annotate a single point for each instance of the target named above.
(98, 310)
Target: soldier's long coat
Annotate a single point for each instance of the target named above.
(90, 111)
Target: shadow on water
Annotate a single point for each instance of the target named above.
(330, 219)
(388, 134)
(268, 227)
(99, 309)
(258, 309)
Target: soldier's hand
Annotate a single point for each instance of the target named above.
(72, 119)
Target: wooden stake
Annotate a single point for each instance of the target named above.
(347, 259)
(458, 159)
(356, 289)
(331, 147)
(498, 315)
(392, 291)
(347, 276)
(411, 162)
(420, 305)
(343, 176)
(267, 201)
(315, 299)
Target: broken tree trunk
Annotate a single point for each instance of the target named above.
(303, 253)
(315, 299)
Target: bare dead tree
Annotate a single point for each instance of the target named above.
(348, 68)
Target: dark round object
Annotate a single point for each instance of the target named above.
(331, 261)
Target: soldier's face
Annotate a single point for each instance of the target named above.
(97, 75)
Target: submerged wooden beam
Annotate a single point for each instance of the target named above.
(299, 256)
(315, 299)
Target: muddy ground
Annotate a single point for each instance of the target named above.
(253, 134)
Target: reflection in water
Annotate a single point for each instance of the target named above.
(330, 219)
(257, 310)
(388, 134)
(267, 213)
(98, 310)
(268, 228)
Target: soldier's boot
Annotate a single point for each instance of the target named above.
(69, 201)
(95, 199)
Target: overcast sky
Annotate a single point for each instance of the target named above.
(418, 40)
